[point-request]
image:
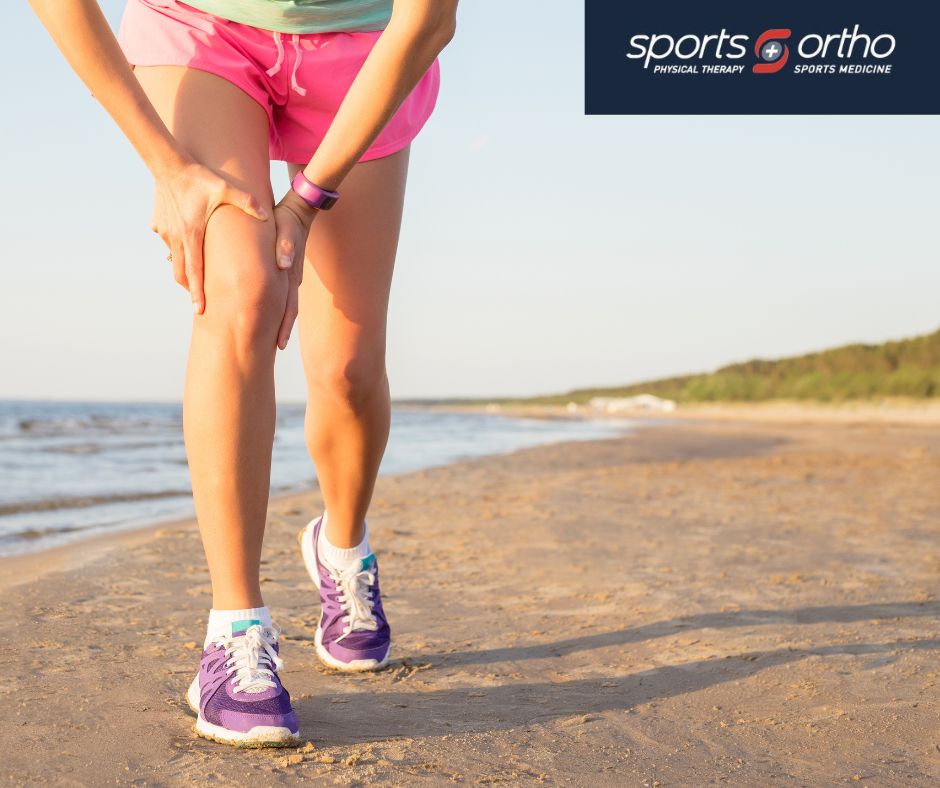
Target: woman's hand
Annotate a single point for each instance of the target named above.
(185, 199)
(293, 218)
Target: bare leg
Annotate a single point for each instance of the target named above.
(228, 405)
(343, 306)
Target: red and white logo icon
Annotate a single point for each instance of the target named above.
(771, 50)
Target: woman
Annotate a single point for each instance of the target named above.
(337, 89)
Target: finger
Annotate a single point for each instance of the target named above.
(178, 261)
(232, 195)
(285, 253)
(195, 273)
(290, 315)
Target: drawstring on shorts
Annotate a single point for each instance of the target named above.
(298, 57)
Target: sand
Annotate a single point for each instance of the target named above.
(714, 601)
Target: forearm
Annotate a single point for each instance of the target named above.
(400, 57)
(82, 34)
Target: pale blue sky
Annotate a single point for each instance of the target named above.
(542, 250)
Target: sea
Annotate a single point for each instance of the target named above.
(70, 470)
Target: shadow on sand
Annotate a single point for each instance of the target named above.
(363, 716)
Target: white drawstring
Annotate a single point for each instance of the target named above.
(298, 57)
(280, 55)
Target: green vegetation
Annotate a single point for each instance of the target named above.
(906, 368)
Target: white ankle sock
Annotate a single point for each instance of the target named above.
(340, 558)
(223, 622)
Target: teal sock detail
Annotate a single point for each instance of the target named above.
(242, 626)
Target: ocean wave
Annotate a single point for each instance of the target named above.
(108, 424)
(112, 447)
(85, 501)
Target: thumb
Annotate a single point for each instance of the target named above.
(232, 195)
(284, 253)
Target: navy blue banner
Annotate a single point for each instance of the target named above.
(825, 57)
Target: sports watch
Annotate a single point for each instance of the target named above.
(312, 194)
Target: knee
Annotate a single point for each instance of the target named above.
(256, 311)
(245, 300)
(351, 381)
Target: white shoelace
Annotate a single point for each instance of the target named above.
(355, 598)
(252, 658)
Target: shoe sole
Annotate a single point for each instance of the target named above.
(259, 736)
(356, 665)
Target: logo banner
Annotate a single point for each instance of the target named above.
(836, 57)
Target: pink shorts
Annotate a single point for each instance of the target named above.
(300, 80)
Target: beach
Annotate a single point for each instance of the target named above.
(746, 601)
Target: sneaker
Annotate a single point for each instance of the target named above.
(238, 694)
(353, 634)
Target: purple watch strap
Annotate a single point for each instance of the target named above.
(312, 194)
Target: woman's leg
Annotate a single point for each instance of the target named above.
(228, 405)
(343, 305)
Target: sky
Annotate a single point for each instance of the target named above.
(542, 250)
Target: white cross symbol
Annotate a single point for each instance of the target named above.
(771, 51)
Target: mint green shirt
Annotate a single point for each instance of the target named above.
(302, 16)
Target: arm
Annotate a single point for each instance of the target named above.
(187, 192)
(416, 34)
(82, 34)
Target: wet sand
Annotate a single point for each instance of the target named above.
(716, 601)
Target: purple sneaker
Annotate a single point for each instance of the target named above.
(237, 693)
(353, 634)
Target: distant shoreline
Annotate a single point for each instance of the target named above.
(60, 524)
(20, 566)
(899, 411)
